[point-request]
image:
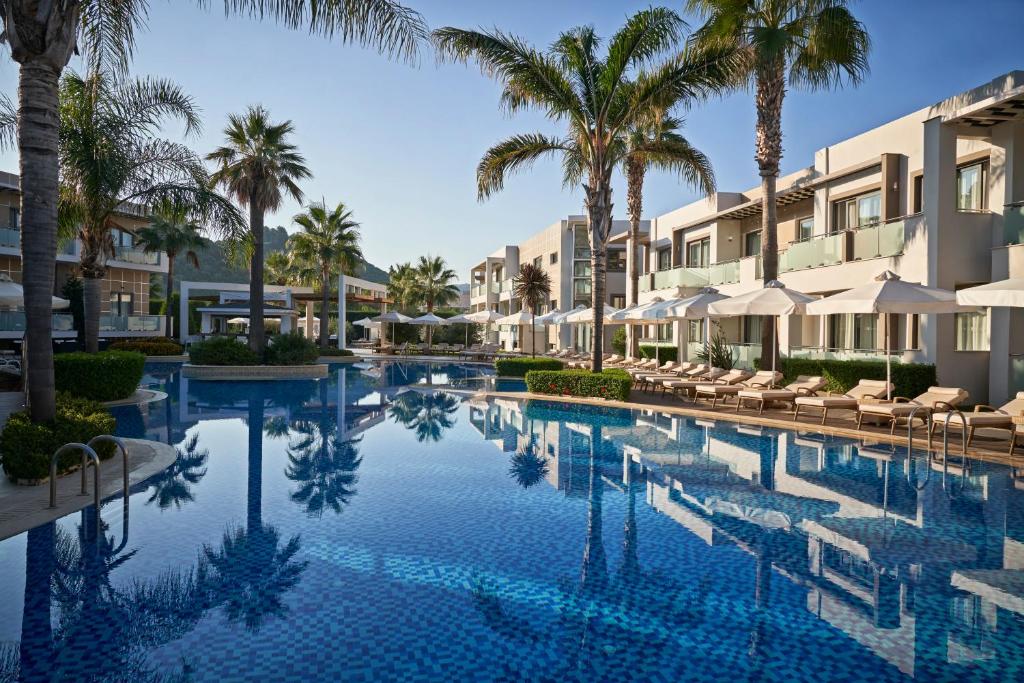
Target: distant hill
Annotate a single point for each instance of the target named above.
(214, 266)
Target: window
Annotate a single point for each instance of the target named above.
(538, 262)
(695, 331)
(581, 287)
(618, 300)
(698, 253)
(122, 238)
(853, 331)
(581, 269)
(121, 303)
(616, 261)
(752, 243)
(857, 212)
(970, 187)
(918, 200)
(751, 329)
(554, 258)
(665, 259)
(554, 304)
(663, 332)
(581, 242)
(805, 228)
(971, 331)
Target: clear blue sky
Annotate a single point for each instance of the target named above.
(400, 144)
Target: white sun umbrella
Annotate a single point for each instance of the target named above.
(461, 319)
(238, 321)
(485, 318)
(430, 321)
(1008, 293)
(12, 294)
(549, 318)
(652, 311)
(392, 317)
(368, 324)
(695, 308)
(887, 294)
(522, 317)
(582, 316)
(773, 299)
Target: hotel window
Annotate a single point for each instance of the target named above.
(805, 228)
(665, 259)
(857, 212)
(698, 253)
(13, 219)
(751, 329)
(616, 261)
(971, 331)
(581, 242)
(581, 269)
(970, 187)
(853, 331)
(695, 331)
(752, 243)
(121, 303)
(618, 300)
(918, 200)
(538, 262)
(554, 304)
(663, 332)
(554, 258)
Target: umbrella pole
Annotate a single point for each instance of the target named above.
(775, 345)
(888, 359)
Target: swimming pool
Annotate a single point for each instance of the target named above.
(370, 527)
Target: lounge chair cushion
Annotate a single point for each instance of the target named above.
(924, 403)
(1002, 416)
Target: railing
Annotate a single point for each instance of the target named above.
(744, 354)
(1016, 373)
(1013, 223)
(478, 290)
(879, 240)
(136, 255)
(14, 321)
(836, 353)
(724, 273)
(676, 277)
(131, 323)
(10, 238)
(495, 287)
(823, 250)
(68, 248)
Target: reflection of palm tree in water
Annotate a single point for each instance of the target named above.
(173, 486)
(527, 465)
(429, 415)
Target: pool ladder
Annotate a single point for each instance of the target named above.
(89, 456)
(945, 450)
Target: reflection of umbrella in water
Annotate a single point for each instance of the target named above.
(768, 509)
(887, 543)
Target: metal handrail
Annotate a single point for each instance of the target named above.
(117, 441)
(910, 448)
(945, 453)
(87, 454)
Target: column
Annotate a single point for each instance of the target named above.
(182, 312)
(342, 312)
(939, 192)
(308, 331)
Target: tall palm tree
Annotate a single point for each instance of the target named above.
(812, 44)
(328, 243)
(402, 285)
(598, 97)
(257, 167)
(435, 286)
(532, 285)
(42, 37)
(278, 269)
(172, 233)
(113, 165)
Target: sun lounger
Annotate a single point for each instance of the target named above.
(805, 385)
(985, 417)
(644, 380)
(687, 386)
(730, 384)
(865, 389)
(691, 373)
(662, 369)
(935, 400)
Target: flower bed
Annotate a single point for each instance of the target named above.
(518, 367)
(611, 383)
(104, 376)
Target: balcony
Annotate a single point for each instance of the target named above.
(10, 238)
(136, 255)
(131, 323)
(14, 321)
(676, 277)
(824, 250)
(477, 290)
(877, 241)
(724, 273)
(830, 353)
(1013, 223)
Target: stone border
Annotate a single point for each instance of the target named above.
(183, 358)
(331, 360)
(140, 397)
(254, 372)
(25, 507)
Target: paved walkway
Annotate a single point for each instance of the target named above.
(25, 507)
(10, 402)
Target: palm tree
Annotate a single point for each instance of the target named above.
(814, 44)
(598, 97)
(429, 415)
(278, 269)
(112, 166)
(402, 285)
(532, 285)
(42, 37)
(172, 233)
(257, 167)
(173, 486)
(434, 285)
(329, 242)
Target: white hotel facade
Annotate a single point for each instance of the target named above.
(936, 196)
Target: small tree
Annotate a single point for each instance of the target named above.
(532, 285)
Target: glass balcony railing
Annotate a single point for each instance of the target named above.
(826, 250)
(10, 238)
(875, 241)
(1013, 223)
(136, 255)
(477, 290)
(677, 277)
(828, 353)
(744, 354)
(1016, 373)
(495, 287)
(14, 321)
(724, 273)
(131, 323)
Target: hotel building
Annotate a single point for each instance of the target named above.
(936, 196)
(124, 291)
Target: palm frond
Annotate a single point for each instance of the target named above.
(8, 123)
(107, 32)
(512, 155)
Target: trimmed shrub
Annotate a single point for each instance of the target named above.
(159, 346)
(291, 349)
(334, 351)
(619, 341)
(611, 383)
(909, 379)
(222, 351)
(665, 353)
(104, 376)
(518, 367)
(26, 447)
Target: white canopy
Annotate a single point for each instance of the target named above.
(461, 319)
(563, 319)
(549, 317)
(12, 294)
(887, 293)
(695, 306)
(523, 317)
(622, 315)
(772, 299)
(366, 322)
(487, 316)
(1003, 293)
(238, 321)
(587, 316)
(653, 310)
(428, 319)
(392, 317)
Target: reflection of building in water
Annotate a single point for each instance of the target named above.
(921, 565)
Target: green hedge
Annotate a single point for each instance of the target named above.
(26, 447)
(222, 351)
(518, 367)
(335, 351)
(104, 376)
(619, 341)
(291, 349)
(611, 383)
(664, 353)
(910, 379)
(159, 346)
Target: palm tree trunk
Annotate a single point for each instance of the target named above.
(594, 572)
(634, 205)
(37, 648)
(167, 296)
(599, 211)
(254, 488)
(256, 334)
(325, 303)
(91, 301)
(37, 141)
(771, 90)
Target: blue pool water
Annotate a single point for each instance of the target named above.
(370, 527)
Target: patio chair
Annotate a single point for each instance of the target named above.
(644, 380)
(687, 386)
(732, 383)
(934, 400)
(693, 373)
(663, 369)
(805, 385)
(985, 416)
(866, 389)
